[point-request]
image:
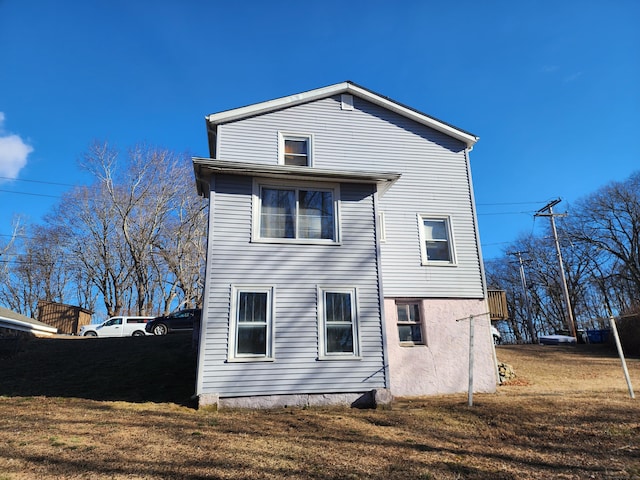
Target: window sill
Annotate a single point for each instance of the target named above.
(412, 344)
(433, 263)
(339, 357)
(296, 241)
(250, 359)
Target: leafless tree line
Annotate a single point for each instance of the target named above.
(600, 242)
(133, 241)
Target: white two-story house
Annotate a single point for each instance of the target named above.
(343, 254)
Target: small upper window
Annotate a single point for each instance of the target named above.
(295, 150)
(436, 240)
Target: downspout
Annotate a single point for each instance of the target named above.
(483, 278)
(475, 221)
(383, 326)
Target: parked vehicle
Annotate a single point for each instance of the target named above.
(556, 340)
(180, 321)
(117, 327)
(495, 333)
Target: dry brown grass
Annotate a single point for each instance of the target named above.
(568, 415)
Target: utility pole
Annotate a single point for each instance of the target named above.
(525, 293)
(547, 211)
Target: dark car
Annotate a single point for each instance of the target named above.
(180, 321)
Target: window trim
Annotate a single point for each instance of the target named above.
(322, 324)
(232, 355)
(420, 322)
(282, 136)
(452, 262)
(259, 184)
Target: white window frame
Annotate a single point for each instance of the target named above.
(233, 355)
(322, 324)
(259, 184)
(419, 323)
(450, 240)
(308, 137)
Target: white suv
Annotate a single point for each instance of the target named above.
(117, 327)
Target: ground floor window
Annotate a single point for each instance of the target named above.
(409, 323)
(252, 323)
(338, 323)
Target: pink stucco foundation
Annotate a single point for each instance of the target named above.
(441, 365)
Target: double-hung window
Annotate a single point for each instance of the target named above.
(295, 149)
(409, 323)
(436, 240)
(306, 214)
(252, 323)
(338, 321)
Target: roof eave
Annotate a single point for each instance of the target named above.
(205, 167)
(344, 87)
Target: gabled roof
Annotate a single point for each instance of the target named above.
(350, 88)
(16, 321)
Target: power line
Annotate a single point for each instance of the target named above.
(507, 213)
(509, 203)
(32, 194)
(38, 181)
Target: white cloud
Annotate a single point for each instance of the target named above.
(573, 77)
(13, 152)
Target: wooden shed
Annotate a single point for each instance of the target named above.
(66, 318)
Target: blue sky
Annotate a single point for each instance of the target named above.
(551, 88)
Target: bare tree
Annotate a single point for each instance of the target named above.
(134, 239)
(94, 244)
(609, 221)
(38, 273)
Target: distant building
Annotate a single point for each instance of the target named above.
(66, 318)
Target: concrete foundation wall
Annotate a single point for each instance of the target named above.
(370, 399)
(441, 365)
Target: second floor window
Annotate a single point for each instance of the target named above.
(295, 150)
(297, 213)
(436, 240)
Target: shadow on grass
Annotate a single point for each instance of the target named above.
(133, 369)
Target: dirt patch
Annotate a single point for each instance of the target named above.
(569, 418)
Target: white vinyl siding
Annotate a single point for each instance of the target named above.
(435, 178)
(296, 271)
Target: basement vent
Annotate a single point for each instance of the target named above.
(347, 102)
